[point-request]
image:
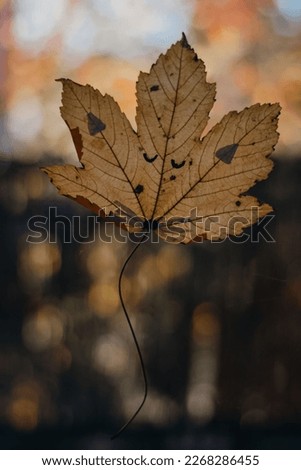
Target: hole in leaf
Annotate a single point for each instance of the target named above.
(95, 125)
(149, 159)
(184, 42)
(174, 164)
(139, 188)
(226, 154)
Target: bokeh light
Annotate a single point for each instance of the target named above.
(43, 329)
(249, 48)
(42, 259)
(219, 326)
(290, 9)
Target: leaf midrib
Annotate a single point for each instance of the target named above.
(168, 135)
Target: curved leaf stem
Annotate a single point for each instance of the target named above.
(134, 338)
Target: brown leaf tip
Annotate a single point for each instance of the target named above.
(184, 42)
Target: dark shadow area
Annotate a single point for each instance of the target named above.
(219, 326)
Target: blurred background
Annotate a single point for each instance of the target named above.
(219, 324)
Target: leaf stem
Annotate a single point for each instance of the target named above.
(134, 338)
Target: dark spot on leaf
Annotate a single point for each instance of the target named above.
(174, 164)
(149, 225)
(190, 162)
(184, 42)
(154, 88)
(171, 74)
(95, 125)
(195, 57)
(226, 154)
(172, 178)
(139, 188)
(149, 159)
(238, 203)
(155, 224)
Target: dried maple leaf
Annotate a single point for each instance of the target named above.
(163, 177)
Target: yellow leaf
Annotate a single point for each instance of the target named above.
(164, 176)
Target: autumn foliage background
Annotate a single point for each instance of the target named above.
(220, 324)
